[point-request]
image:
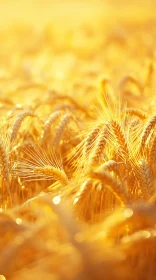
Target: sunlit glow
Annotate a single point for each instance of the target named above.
(18, 106)
(2, 277)
(128, 213)
(57, 199)
(76, 200)
(18, 221)
(146, 234)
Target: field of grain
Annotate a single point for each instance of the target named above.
(77, 140)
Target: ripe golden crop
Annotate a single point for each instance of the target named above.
(78, 141)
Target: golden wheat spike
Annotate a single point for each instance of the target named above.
(90, 139)
(59, 131)
(146, 132)
(18, 121)
(136, 112)
(92, 200)
(72, 101)
(52, 118)
(53, 172)
(117, 189)
(99, 146)
(134, 125)
(119, 136)
(110, 165)
(147, 178)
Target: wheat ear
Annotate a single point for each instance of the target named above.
(117, 189)
(134, 124)
(136, 112)
(52, 118)
(110, 165)
(53, 172)
(59, 131)
(149, 126)
(71, 101)
(91, 200)
(90, 139)
(18, 122)
(119, 136)
(147, 178)
(99, 146)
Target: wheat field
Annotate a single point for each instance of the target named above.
(77, 140)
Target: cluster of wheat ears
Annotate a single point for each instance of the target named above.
(78, 152)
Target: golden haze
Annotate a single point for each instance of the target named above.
(77, 140)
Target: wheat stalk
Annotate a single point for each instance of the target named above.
(152, 156)
(5, 167)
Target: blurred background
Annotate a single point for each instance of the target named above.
(71, 12)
